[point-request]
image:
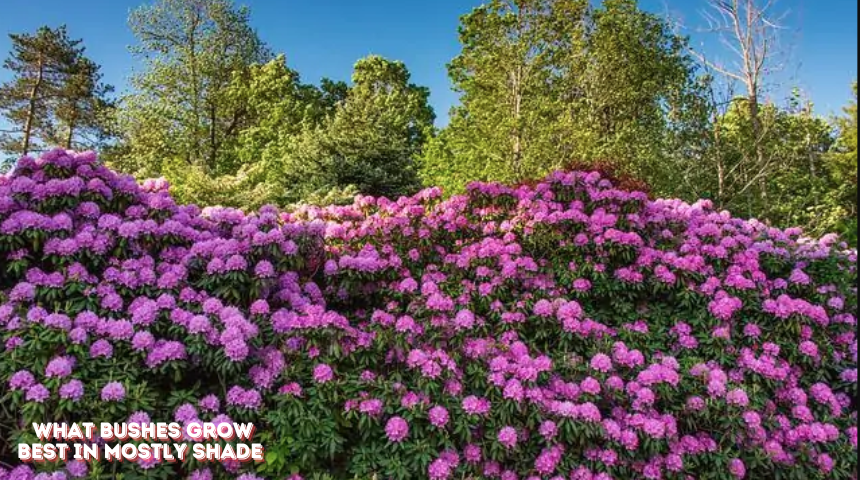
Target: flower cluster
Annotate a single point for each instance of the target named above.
(562, 330)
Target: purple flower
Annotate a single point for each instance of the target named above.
(323, 373)
(185, 412)
(808, 348)
(72, 390)
(37, 393)
(59, 367)
(113, 391)
(439, 469)
(201, 474)
(737, 397)
(737, 468)
(209, 403)
(77, 468)
(396, 429)
(21, 380)
(139, 418)
(476, 406)
(142, 340)
(438, 416)
(601, 362)
(548, 429)
(101, 348)
(508, 437)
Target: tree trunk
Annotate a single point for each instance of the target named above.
(31, 110)
(517, 148)
(70, 135)
(213, 145)
(757, 139)
(721, 174)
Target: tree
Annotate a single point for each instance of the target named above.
(276, 107)
(507, 75)
(750, 29)
(367, 144)
(83, 110)
(842, 160)
(191, 50)
(841, 164)
(41, 65)
(544, 83)
(301, 143)
(636, 90)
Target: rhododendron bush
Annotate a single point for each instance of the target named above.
(567, 330)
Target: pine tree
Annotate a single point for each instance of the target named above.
(82, 108)
(40, 64)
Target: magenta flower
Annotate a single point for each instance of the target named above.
(508, 437)
(439, 470)
(59, 367)
(737, 468)
(396, 429)
(21, 380)
(323, 373)
(438, 416)
(476, 406)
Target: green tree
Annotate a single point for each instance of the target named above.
(276, 107)
(842, 160)
(793, 143)
(636, 90)
(303, 143)
(180, 109)
(508, 75)
(358, 139)
(83, 110)
(41, 65)
(544, 83)
(841, 164)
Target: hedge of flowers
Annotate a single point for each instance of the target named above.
(566, 330)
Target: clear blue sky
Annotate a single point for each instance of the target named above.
(323, 38)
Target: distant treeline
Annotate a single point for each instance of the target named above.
(542, 84)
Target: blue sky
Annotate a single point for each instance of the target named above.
(324, 38)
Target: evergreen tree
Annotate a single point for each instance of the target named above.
(42, 66)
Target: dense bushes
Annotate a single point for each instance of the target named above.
(562, 330)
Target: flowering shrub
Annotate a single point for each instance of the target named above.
(565, 330)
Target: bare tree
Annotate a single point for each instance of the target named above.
(751, 30)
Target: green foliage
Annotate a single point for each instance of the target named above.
(361, 138)
(544, 83)
(795, 185)
(841, 163)
(180, 107)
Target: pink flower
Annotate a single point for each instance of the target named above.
(323, 373)
(438, 416)
(396, 429)
(113, 391)
(601, 362)
(737, 468)
(508, 437)
(476, 406)
(439, 470)
(737, 397)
